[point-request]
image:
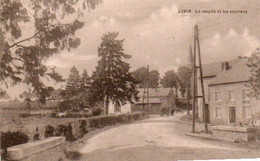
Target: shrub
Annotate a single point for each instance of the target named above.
(96, 111)
(82, 127)
(60, 130)
(49, 131)
(13, 138)
(68, 133)
(53, 114)
(73, 155)
(24, 115)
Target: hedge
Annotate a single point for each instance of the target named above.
(77, 129)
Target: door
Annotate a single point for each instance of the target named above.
(232, 115)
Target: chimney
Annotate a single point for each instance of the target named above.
(225, 66)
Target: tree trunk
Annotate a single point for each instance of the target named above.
(106, 105)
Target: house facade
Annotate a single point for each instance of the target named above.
(210, 71)
(158, 98)
(229, 99)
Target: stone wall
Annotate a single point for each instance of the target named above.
(235, 133)
(43, 150)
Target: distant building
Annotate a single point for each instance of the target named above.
(114, 109)
(227, 96)
(158, 98)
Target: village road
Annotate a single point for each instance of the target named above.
(155, 139)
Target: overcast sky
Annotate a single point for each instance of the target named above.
(157, 34)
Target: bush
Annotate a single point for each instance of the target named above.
(96, 111)
(24, 115)
(60, 130)
(73, 155)
(82, 127)
(13, 138)
(49, 131)
(66, 105)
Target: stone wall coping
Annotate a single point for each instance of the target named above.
(25, 150)
(234, 128)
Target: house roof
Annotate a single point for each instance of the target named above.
(155, 92)
(212, 69)
(151, 101)
(239, 72)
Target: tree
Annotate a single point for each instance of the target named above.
(140, 75)
(22, 54)
(112, 80)
(154, 77)
(169, 79)
(85, 81)
(184, 76)
(254, 65)
(73, 83)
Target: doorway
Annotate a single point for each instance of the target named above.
(232, 115)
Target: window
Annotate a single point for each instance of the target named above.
(217, 96)
(218, 112)
(231, 95)
(247, 111)
(246, 94)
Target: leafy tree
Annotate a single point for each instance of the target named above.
(170, 79)
(140, 75)
(254, 65)
(184, 76)
(154, 77)
(53, 25)
(74, 83)
(112, 80)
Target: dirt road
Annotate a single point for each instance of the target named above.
(158, 138)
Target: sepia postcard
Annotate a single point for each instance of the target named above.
(129, 80)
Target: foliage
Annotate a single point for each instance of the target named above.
(49, 131)
(66, 105)
(9, 139)
(169, 79)
(254, 65)
(184, 76)
(140, 75)
(85, 81)
(96, 111)
(112, 80)
(72, 155)
(73, 83)
(23, 52)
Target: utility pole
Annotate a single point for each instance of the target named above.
(194, 82)
(146, 89)
(202, 84)
(195, 96)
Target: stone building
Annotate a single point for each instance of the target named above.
(228, 96)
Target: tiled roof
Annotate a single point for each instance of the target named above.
(158, 92)
(239, 72)
(213, 69)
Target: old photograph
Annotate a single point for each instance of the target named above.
(129, 80)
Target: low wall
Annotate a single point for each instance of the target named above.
(43, 150)
(235, 133)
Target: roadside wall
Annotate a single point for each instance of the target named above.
(49, 149)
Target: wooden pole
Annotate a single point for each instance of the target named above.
(202, 84)
(147, 86)
(194, 82)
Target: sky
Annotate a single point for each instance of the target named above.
(155, 33)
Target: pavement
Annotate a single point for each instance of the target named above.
(157, 138)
